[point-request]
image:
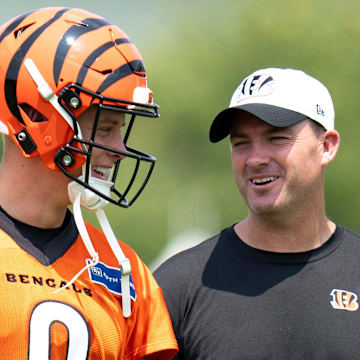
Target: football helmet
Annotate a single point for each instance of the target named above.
(56, 62)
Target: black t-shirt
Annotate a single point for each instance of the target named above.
(230, 301)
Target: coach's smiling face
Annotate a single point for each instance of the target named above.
(278, 170)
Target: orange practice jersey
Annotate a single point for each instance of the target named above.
(83, 321)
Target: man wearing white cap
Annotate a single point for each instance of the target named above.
(283, 282)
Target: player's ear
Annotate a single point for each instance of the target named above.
(330, 143)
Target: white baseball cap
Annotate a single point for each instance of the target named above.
(280, 97)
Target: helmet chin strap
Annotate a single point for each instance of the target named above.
(82, 197)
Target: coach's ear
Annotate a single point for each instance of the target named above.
(331, 143)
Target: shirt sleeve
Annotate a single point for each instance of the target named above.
(175, 293)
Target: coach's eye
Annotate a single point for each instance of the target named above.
(239, 142)
(279, 138)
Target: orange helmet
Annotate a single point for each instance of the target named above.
(55, 64)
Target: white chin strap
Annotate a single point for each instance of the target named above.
(86, 198)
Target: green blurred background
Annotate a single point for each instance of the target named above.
(196, 53)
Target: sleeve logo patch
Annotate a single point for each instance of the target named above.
(344, 300)
(110, 277)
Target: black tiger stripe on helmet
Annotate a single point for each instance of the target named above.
(14, 24)
(118, 74)
(73, 33)
(16, 62)
(94, 55)
(135, 66)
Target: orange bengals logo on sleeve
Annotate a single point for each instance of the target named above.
(344, 300)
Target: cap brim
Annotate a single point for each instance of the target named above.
(272, 115)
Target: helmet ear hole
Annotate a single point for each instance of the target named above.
(33, 114)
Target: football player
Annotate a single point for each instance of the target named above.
(71, 86)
